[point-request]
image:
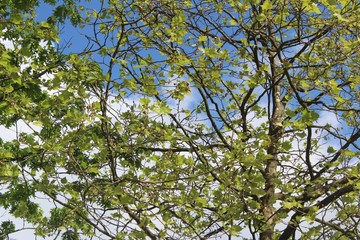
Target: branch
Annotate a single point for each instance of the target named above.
(337, 228)
(185, 149)
(139, 223)
(293, 223)
(351, 140)
(308, 153)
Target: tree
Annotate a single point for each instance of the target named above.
(185, 120)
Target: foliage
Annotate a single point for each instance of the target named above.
(183, 119)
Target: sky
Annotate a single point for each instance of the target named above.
(76, 41)
(71, 39)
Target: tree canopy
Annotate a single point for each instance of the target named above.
(192, 119)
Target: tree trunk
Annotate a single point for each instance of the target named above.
(270, 174)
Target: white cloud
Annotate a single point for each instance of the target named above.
(13, 132)
(7, 44)
(330, 118)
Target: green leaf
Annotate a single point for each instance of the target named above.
(202, 38)
(161, 108)
(267, 5)
(313, 8)
(290, 205)
(332, 2)
(301, 134)
(21, 209)
(7, 227)
(201, 201)
(331, 150)
(309, 116)
(16, 19)
(7, 154)
(261, 17)
(211, 52)
(287, 145)
(93, 170)
(235, 230)
(126, 199)
(233, 22)
(145, 101)
(37, 123)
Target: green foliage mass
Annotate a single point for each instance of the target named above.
(184, 119)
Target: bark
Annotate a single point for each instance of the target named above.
(270, 173)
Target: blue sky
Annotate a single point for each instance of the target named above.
(70, 34)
